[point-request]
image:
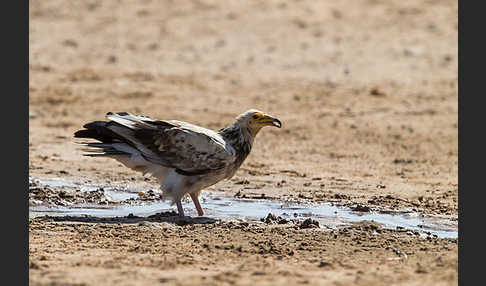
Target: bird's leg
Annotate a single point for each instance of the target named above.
(197, 204)
(180, 210)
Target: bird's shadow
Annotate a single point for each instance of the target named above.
(131, 219)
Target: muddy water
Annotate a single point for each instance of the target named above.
(217, 206)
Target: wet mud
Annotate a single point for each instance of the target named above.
(63, 197)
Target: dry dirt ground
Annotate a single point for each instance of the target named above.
(367, 93)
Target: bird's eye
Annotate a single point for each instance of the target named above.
(255, 116)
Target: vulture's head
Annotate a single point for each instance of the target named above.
(254, 120)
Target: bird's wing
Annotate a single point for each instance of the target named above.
(190, 149)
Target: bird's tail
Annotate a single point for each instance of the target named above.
(101, 149)
(116, 140)
(111, 143)
(98, 130)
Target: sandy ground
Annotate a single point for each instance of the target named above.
(366, 91)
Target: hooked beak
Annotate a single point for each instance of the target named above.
(273, 121)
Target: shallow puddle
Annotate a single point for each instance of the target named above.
(217, 206)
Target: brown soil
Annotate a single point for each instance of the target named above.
(366, 91)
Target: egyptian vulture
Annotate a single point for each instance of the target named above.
(185, 158)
